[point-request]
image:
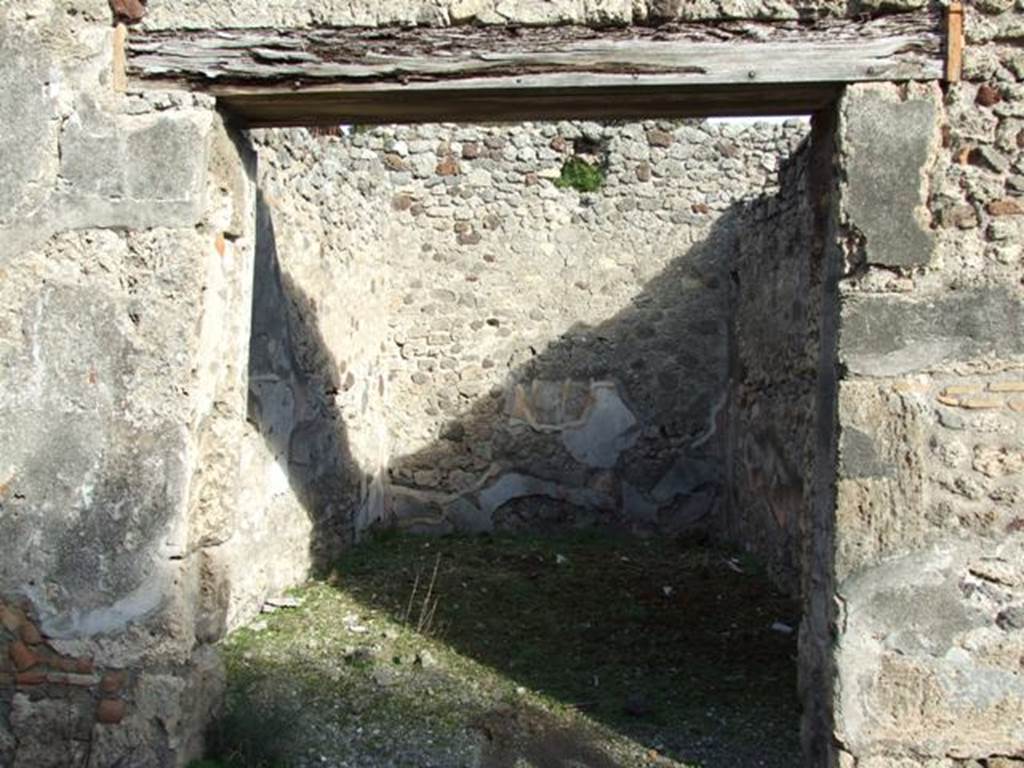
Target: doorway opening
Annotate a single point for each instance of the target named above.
(584, 358)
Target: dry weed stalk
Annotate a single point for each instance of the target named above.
(428, 608)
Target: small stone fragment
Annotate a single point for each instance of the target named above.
(448, 166)
(29, 634)
(273, 603)
(1004, 208)
(1006, 386)
(11, 618)
(659, 138)
(128, 11)
(980, 403)
(988, 96)
(472, 237)
(1011, 618)
(21, 656)
(425, 659)
(987, 157)
(32, 677)
(960, 216)
(111, 711)
(113, 682)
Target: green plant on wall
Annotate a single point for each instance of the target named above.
(580, 175)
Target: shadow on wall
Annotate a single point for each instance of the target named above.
(626, 424)
(616, 424)
(689, 412)
(611, 425)
(293, 377)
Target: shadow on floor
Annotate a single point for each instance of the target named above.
(586, 650)
(669, 644)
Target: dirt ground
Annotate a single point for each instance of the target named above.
(581, 651)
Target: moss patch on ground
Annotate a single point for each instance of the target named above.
(585, 650)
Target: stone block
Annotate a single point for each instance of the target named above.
(21, 656)
(887, 146)
(38, 724)
(71, 444)
(886, 335)
(11, 617)
(880, 505)
(134, 173)
(91, 163)
(915, 659)
(25, 114)
(111, 711)
(166, 160)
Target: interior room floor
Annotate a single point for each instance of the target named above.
(582, 650)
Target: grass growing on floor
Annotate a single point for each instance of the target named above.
(607, 651)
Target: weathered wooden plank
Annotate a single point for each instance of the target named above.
(893, 47)
(256, 72)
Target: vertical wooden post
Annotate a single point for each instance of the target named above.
(120, 76)
(955, 41)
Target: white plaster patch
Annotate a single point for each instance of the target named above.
(608, 429)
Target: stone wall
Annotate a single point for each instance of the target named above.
(552, 357)
(316, 370)
(126, 247)
(775, 315)
(125, 255)
(164, 14)
(928, 546)
(124, 382)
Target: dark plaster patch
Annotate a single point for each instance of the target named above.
(888, 144)
(884, 335)
(859, 456)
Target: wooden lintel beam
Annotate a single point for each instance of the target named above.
(286, 76)
(327, 107)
